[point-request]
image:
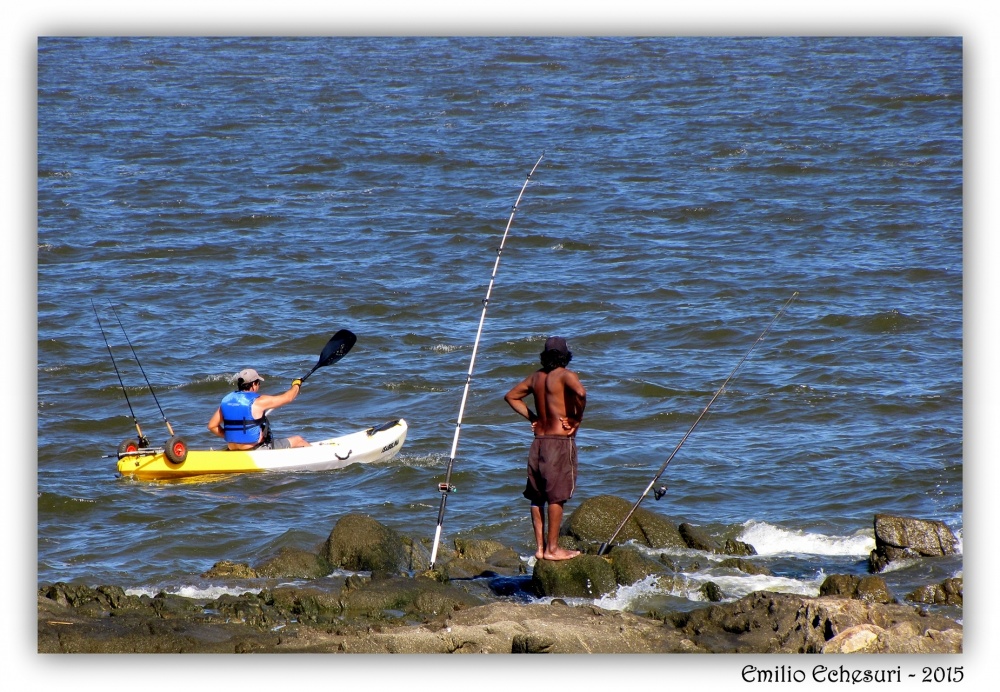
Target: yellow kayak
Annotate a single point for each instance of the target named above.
(378, 443)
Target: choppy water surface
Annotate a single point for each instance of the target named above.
(239, 200)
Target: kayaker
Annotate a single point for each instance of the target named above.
(240, 419)
(552, 460)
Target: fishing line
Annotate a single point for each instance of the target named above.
(143, 441)
(446, 487)
(134, 355)
(660, 491)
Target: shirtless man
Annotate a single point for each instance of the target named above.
(552, 465)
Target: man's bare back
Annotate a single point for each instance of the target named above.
(559, 400)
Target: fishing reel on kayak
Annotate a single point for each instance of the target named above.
(659, 492)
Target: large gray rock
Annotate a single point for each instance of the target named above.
(596, 519)
(906, 538)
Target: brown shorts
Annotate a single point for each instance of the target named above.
(552, 469)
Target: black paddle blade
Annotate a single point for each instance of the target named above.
(335, 349)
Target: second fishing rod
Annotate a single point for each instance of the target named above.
(446, 488)
(659, 492)
(175, 448)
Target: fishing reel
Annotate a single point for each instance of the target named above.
(447, 488)
(659, 492)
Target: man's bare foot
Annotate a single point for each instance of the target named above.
(560, 554)
(539, 554)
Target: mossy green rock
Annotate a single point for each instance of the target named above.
(294, 563)
(361, 544)
(596, 519)
(585, 576)
(631, 566)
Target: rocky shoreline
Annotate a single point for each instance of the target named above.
(404, 607)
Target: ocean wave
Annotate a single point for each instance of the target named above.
(769, 539)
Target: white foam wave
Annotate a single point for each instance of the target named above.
(207, 593)
(769, 539)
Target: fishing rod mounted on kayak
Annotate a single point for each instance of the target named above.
(660, 492)
(176, 448)
(447, 488)
(126, 445)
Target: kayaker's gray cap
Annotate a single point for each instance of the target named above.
(247, 376)
(556, 343)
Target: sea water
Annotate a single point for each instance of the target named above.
(239, 200)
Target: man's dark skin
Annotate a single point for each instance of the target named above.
(559, 399)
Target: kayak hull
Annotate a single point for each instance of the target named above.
(375, 444)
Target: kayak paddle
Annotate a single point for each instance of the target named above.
(335, 349)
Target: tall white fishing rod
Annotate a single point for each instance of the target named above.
(446, 487)
(660, 491)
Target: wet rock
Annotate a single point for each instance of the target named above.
(417, 556)
(903, 538)
(631, 566)
(596, 519)
(359, 543)
(734, 547)
(482, 558)
(948, 592)
(872, 589)
(306, 605)
(711, 591)
(294, 563)
(230, 570)
(477, 550)
(746, 566)
(698, 539)
(585, 576)
(404, 596)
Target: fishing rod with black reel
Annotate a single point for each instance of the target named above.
(129, 445)
(446, 488)
(660, 492)
(176, 448)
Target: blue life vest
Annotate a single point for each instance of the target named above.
(238, 423)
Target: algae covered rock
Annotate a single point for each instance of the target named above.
(596, 519)
(585, 576)
(361, 544)
(294, 563)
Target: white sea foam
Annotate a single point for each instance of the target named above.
(207, 593)
(769, 539)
